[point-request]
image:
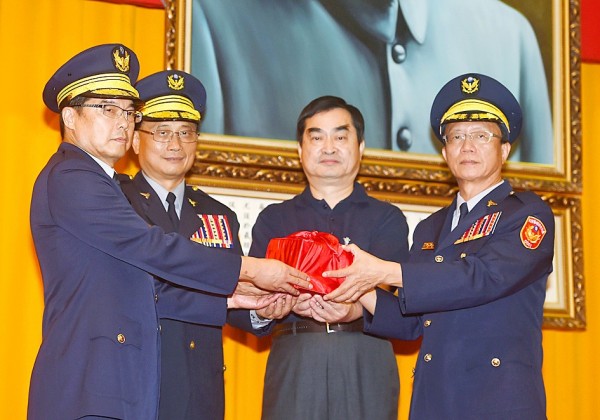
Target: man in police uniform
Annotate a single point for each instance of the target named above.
(165, 143)
(477, 273)
(100, 346)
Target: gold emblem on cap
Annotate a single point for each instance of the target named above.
(121, 61)
(175, 82)
(470, 85)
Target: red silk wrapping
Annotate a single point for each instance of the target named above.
(312, 253)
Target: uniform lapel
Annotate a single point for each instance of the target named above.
(488, 204)
(189, 221)
(429, 235)
(154, 211)
(444, 229)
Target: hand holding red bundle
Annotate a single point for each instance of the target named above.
(312, 253)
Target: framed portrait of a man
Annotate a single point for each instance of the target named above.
(261, 61)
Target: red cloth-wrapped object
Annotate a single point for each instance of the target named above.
(312, 253)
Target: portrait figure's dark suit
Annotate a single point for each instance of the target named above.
(191, 351)
(480, 306)
(97, 254)
(389, 58)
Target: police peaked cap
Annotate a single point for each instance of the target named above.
(476, 97)
(172, 95)
(103, 71)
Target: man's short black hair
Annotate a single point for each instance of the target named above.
(327, 103)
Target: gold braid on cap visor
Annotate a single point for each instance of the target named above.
(103, 84)
(474, 109)
(170, 107)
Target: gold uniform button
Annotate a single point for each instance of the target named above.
(427, 357)
(224, 368)
(463, 255)
(427, 323)
(192, 345)
(439, 259)
(495, 362)
(121, 338)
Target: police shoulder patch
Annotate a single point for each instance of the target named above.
(532, 232)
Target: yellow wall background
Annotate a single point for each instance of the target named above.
(36, 37)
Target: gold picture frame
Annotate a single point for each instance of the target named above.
(258, 166)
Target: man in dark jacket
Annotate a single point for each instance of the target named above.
(477, 273)
(165, 142)
(100, 334)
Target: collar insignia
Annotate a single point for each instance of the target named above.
(491, 203)
(145, 195)
(192, 202)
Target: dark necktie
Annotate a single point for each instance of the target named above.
(464, 209)
(116, 178)
(171, 211)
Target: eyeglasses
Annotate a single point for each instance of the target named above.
(165, 136)
(114, 112)
(479, 137)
